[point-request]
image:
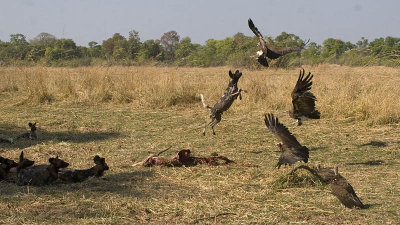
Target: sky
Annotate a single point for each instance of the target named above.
(97, 20)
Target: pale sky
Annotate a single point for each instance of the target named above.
(97, 20)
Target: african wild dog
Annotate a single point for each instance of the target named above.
(42, 174)
(23, 163)
(7, 140)
(5, 166)
(31, 135)
(230, 95)
(73, 176)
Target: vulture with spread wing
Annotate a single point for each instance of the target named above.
(291, 150)
(269, 52)
(344, 191)
(303, 101)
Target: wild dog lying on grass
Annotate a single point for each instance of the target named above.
(73, 176)
(5, 166)
(31, 135)
(6, 140)
(22, 164)
(183, 158)
(42, 174)
(230, 95)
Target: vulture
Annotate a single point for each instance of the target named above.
(303, 101)
(291, 150)
(324, 174)
(344, 191)
(269, 52)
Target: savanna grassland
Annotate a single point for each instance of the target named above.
(123, 113)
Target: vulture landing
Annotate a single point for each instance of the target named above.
(269, 52)
(344, 191)
(291, 150)
(303, 101)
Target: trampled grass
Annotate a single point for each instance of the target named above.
(124, 113)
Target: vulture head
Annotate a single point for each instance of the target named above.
(336, 170)
(279, 145)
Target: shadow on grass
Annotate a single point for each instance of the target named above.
(121, 183)
(368, 163)
(136, 184)
(375, 144)
(44, 136)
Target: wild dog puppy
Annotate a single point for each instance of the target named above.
(31, 135)
(5, 166)
(73, 176)
(42, 174)
(22, 164)
(230, 95)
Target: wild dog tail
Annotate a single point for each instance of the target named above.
(204, 102)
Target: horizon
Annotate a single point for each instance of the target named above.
(85, 21)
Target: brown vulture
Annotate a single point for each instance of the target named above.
(269, 52)
(303, 101)
(291, 150)
(344, 191)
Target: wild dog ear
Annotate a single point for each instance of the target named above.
(30, 124)
(21, 156)
(96, 159)
(231, 74)
(34, 124)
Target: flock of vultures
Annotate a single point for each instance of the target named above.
(24, 173)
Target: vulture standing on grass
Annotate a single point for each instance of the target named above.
(344, 191)
(291, 150)
(269, 52)
(303, 101)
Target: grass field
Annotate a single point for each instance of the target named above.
(123, 113)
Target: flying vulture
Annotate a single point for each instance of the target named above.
(344, 191)
(291, 150)
(269, 52)
(303, 101)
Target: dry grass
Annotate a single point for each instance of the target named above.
(122, 113)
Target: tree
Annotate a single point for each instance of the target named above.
(150, 49)
(43, 40)
(184, 48)
(115, 47)
(333, 46)
(18, 39)
(168, 42)
(134, 43)
(94, 49)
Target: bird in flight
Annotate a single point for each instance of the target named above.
(269, 52)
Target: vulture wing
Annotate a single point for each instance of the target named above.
(258, 34)
(345, 193)
(263, 61)
(303, 100)
(326, 174)
(291, 149)
(276, 52)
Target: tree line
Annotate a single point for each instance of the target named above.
(238, 50)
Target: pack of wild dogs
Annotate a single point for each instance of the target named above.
(26, 173)
(303, 101)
